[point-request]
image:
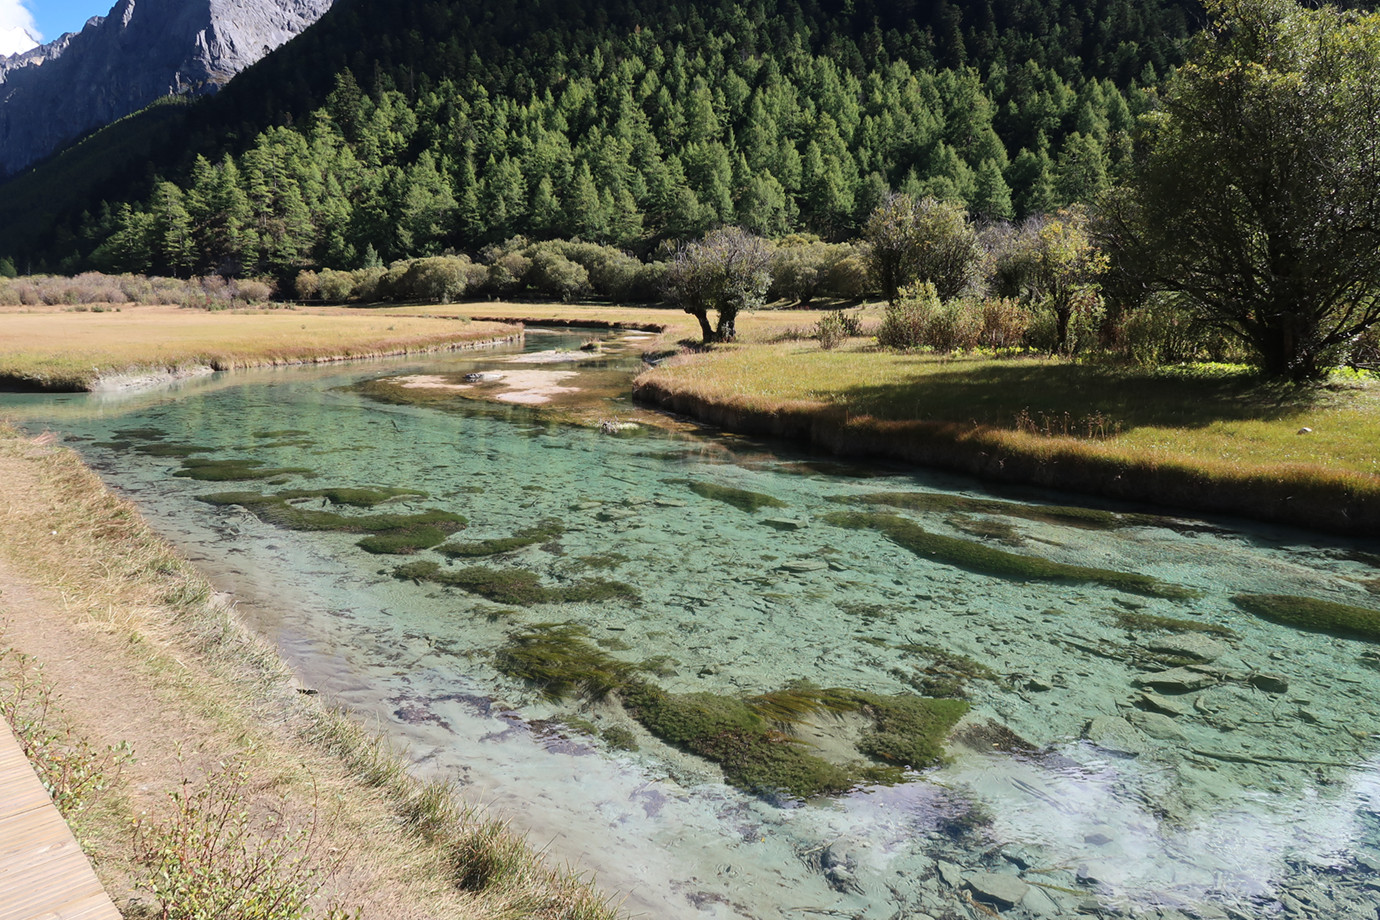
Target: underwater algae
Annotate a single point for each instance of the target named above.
(1313, 615)
(541, 532)
(235, 470)
(742, 499)
(749, 739)
(518, 587)
(388, 533)
(987, 560)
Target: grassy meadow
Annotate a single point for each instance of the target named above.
(1207, 438)
(67, 349)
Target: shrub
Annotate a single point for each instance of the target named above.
(1004, 322)
(835, 326)
(337, 286)
(845, 277)
(307, 285)
(438, 279)
(508, 272)
(921, 319)
(555, 275)
(251, 290)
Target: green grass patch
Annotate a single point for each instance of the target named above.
(1149, 622)
(530, 536)
(987, 560)
(908, 731)
(234, 470)
(1313, 615)
(518, 587)
(742, 499)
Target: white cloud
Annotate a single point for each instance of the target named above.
(17, 32)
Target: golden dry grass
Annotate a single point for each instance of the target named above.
(141, 652)
(756, 326)
(57, 348)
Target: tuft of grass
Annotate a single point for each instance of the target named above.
(561, 663)
(541, 532)
(235, 470)
(987, 560)
(1313, 615)
(742, 499)
(518, 587)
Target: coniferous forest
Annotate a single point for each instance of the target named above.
(403, 130)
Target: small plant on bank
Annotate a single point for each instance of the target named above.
(836, 326)
(73, 771)
(213, 858)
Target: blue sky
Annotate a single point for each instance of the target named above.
(53, 17)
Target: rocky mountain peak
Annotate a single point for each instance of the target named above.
(119, 63)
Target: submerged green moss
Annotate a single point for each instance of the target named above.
(599, 561)
(741, 499)
(177, 451)
(987, 560)
(739, 735)
(1088, 518)
(234, 470)
(561, 663)
(986, 528)
(275, 509)
(1313, 615)
(945, 673)
(403, 541)
(1147, 622)
(518, 586)
(140, 434)
(530, 536)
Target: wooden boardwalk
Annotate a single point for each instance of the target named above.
(43, 873)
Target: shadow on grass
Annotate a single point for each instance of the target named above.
(998, 394)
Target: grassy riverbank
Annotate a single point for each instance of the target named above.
(56, 348)
(1207, 439)
(140, 652)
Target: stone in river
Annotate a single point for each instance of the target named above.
(1177, 680)
(802, 566)
(1113, 733)
(1153, 702)
(1195, 646)
(781, 523)
(1270, 683)
(1157, 726)
(997, 888)
(951, 874)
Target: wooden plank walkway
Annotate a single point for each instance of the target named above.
(43, 873)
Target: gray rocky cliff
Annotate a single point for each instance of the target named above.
(141, 51)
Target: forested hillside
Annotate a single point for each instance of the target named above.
(386, 132)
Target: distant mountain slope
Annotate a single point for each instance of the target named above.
(465, 98)
(143, 50)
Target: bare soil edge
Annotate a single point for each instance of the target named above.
(1334, 506)
(151, 377)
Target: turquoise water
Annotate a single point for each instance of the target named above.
(1258, 791)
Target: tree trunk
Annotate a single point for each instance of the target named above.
(727, 330)
(706, 330)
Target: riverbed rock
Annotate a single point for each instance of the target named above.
(951, 874)
(1153, 702)
(1177, 680)
(1156, 725)
(784, 523)
(996, 888)
(802, 566)
(1190, 645)
(1113, 733)
(1270, 683)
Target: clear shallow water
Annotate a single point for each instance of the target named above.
(1255, 800)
